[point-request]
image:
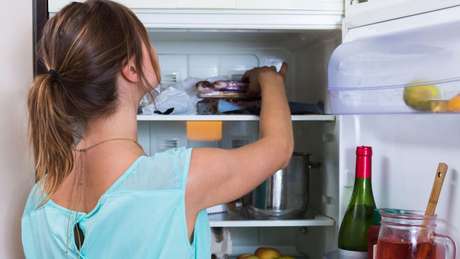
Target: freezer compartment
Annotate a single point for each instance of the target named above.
(404, 72)
(188, 56)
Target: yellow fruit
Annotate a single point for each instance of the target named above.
(454, 104)
(267, 253)
(247, 256)
(419, 97)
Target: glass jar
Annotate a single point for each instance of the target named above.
(406, 234)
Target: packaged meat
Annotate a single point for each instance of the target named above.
(222, 89)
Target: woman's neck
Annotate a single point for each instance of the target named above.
(121, 124)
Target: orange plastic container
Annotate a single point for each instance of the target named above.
(204, 130)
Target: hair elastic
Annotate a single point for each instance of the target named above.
(54, 74)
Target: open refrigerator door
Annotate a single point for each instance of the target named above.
(394, 85)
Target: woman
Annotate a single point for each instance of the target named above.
(98, 195)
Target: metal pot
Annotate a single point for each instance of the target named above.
(285, 194)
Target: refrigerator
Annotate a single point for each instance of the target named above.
(356, 58)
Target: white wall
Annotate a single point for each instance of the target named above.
(16, 174)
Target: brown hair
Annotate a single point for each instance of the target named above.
(84, 46)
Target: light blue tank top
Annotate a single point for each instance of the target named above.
(142, 215)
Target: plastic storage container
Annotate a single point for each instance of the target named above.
(412, 71)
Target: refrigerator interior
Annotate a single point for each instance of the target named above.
(202, 54)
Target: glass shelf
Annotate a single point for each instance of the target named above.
(227, 220)
(227, 118)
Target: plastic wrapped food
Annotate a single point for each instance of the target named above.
(171, 101)
(222, 89)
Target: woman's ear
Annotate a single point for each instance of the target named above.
(129, 72)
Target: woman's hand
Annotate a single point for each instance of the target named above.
(260, 77)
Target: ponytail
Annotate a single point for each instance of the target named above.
(50, 131)
(79, 43)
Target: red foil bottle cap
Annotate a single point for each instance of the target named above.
(364, 151)
(363, 162)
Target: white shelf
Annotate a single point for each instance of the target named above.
(225, 220)
(227, 118)
(286, 250)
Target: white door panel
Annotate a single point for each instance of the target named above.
(443, 16)
(375, 11)
(406, 152)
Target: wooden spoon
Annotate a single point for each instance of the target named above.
(424, 250)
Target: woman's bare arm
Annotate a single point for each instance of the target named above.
(221, 175)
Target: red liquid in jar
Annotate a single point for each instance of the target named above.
(394, 249)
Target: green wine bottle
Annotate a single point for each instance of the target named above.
(359, 215)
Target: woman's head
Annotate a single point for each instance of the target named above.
(97, 52)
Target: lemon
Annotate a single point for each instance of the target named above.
(419, 97)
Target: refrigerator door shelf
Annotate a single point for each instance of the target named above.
(369, 75)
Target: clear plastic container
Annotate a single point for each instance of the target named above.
(410, 71)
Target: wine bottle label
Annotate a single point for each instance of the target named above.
(347, 254)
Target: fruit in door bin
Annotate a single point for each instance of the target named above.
(247, 256)
(419, 97)
(439, 106)
(454, 104)
(267, 253)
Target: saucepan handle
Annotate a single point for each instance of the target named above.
(307, 158)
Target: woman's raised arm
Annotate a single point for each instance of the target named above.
(221, 175)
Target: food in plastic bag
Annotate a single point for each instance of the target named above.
(222, 85)
(180, 98)
(169, 98)
(207, 107)
(222, 89)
